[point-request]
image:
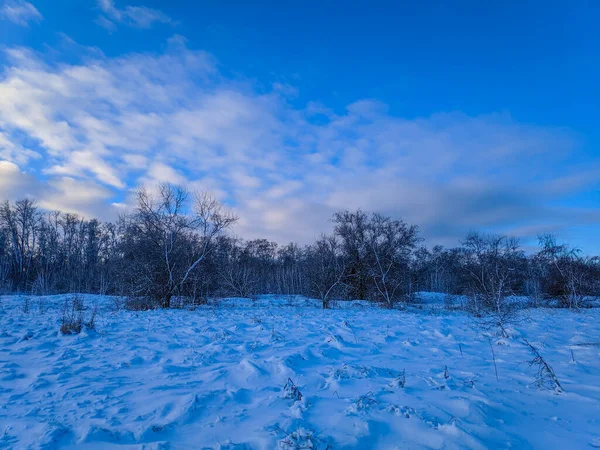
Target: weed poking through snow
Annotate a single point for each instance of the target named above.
(291, 391)
(72, 316)
(545, 377)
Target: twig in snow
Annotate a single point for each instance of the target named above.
(503, 331)
(351, 329)
(402, 379)
(588, 344)
(292, 390)
(366, 400)
(256, 338)
(277, 427)
(494, 359)
(469, 382)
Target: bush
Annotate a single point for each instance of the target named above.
(140, 304)
(72, 316)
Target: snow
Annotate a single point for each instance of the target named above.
(281, 373)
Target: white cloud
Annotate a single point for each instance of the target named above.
(89, 160)
(20, 12)
(106, 125)
(83, 197)
(163, 173)
(135, 16)
(14, 152)
(67, 194)
(13, 182)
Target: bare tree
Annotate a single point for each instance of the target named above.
(436, 270)
(391, 243)
(5, 284)
(171, 240)
(326, 269)
(493, 264)
(289, 273)
(21, 221)
(351, 229)
(567, 277)
(237, 273)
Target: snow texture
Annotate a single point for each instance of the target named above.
(283, 374)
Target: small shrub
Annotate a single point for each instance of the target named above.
(77, 303)
(72, 320)
(449, 302)
(91, 323)
(26, 305)
(400, 380)
(365, 402)
(291, 391)
(117, 303)
(299, 439)
(545, 376)
(72, 316)
(139, 304)
(41, 306)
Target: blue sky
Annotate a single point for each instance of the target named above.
(452, 115)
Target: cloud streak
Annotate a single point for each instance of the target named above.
(20, 12)
(135, 16)
(88, 133)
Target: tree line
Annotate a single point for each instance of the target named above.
(175, 244)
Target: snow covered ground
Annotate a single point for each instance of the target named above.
(263, 377)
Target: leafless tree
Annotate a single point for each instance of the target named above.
(493, 264)
(567, 277)
(21, 222)
(351, 229)
(289, 272)
(326, 269)
(237, 273)
(390, 243)
(171, 241)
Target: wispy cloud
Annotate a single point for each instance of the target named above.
(93, 131)
(135, 16)
(20, 12)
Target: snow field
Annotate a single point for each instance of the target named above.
(291, 377)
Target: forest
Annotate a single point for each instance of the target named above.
(176, 247)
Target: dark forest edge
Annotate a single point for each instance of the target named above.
(175, 244)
